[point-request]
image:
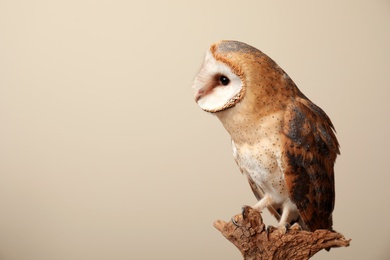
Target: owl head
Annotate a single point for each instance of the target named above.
(236, 74)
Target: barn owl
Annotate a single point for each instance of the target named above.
(282, 142)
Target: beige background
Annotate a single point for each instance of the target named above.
(104, 154)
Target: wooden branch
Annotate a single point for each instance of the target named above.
(255, 241)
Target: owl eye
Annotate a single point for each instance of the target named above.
(224, 80)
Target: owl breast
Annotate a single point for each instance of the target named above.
(261, 163)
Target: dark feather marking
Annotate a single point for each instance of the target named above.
(310, 151)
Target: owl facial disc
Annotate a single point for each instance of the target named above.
(217, 87)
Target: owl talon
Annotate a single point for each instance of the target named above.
(287, 227)
(268, 229)
(284, 228)
(235, 223)
(295, 226)
(243, 209)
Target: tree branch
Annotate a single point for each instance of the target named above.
(255, 241)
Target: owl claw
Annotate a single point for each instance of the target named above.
(287, 227)
(235, 223)
(284, 228)
(268, 229)
(243, 212)
(243, 209)
(295, 226)
(244, 216)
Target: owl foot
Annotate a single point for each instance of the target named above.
(295, 226)
(243, 211)
(235, 223)
(284, 228)
(269, 229)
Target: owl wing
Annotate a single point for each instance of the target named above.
(310, 150)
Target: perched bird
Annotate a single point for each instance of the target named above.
(282, 142)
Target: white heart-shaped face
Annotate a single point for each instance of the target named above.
(212, 92)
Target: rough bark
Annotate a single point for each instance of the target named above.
(255, 241)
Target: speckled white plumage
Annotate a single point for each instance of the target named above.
(261, 163)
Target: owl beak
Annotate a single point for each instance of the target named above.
(203, 92)
(199, 94)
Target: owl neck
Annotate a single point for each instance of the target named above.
(250, 125)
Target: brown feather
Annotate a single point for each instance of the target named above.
(309, 154)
